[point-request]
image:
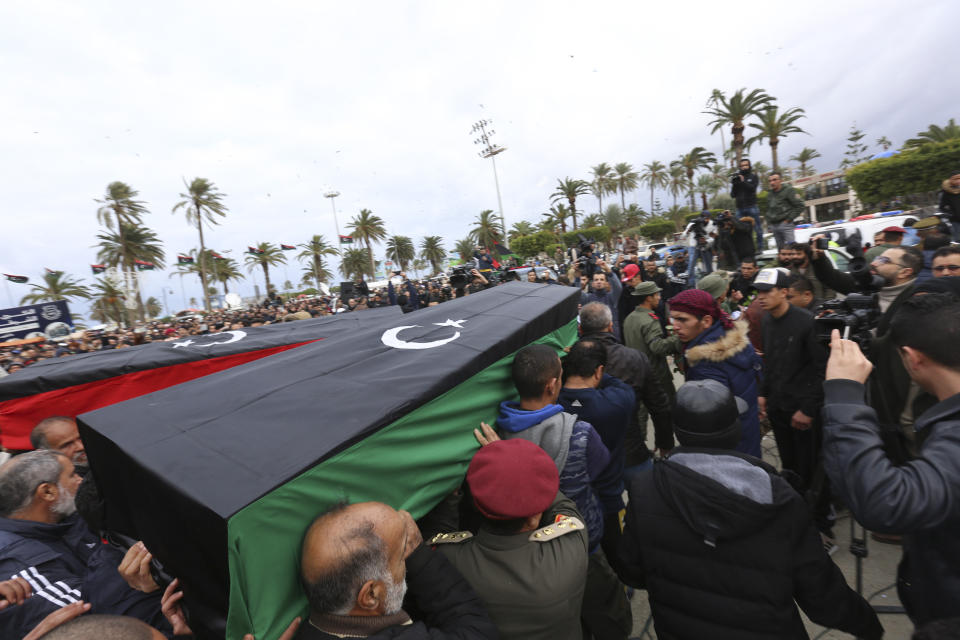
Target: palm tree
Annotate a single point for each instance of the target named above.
(121, 210)
(884, 143)
(934, 134)
(698, 158)
(655, 175)
(202, 202)
(153, 307)
(119, 206)
(267, 255)
(634, 215)
(400, 249)
(56, 285)
(614, 218)
(678, 181)
(714, 100)
(775, 125)
(678, 216)
(521, 228)
(592, 220)
(735, 111)
(805, 156)
(419, 265)
(369, 229)
(355, 263)
(314, 252)
(707, 185)
(556, 217)
(487, 230)
(223, 270)
(627, 180)
(107, 302)
(603, 182)
(312, 276)
(122, 248)
(431, 250)
(465, 248)
(570, 189)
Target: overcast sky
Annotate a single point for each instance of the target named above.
(276, 102)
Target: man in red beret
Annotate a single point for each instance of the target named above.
(528, 561)
(892, 237)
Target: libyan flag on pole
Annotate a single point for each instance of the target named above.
(216, 256)
(181, 259)
(98, 268)
(143, 265)
(287, 247)
(203, 454)
(346, 239)
(52, 272)
(20, 279)
(255, 251)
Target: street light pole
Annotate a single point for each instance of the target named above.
(489, 150)
(332, 194)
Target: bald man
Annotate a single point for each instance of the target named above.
(357, 563)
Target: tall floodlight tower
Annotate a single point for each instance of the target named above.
(490, 150)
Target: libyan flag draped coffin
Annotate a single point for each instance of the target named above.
(84, 382)
(221, 476)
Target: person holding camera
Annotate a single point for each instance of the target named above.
(734, 240)
(605, 287)
(783, 206)
(919, 498)
(743, 189)
(700, 234)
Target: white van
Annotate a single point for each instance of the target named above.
(840, 230)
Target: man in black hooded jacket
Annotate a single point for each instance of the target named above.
(723, 544)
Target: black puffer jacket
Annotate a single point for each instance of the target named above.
(725, 548)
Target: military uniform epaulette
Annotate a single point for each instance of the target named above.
(563, 525)
(449, 538)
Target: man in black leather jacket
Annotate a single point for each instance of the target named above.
(920, 498)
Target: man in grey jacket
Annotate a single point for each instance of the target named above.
(920, 498)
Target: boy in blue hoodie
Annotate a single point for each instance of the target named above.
(574, 445)
(581, 458)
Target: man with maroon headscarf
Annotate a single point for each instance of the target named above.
(716, 348)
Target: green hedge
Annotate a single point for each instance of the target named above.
(657, 230)
(909, 172)
(599, 234)
(526, 246)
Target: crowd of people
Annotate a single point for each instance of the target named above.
(565, 509)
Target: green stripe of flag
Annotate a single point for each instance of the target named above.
(410, 464)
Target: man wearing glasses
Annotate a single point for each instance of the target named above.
(896, 400)
(946, 262)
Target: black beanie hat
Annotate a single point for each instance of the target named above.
(707, 414)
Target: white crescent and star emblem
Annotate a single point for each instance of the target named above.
(391, 337)
(235, 336)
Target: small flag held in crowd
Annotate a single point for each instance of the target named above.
(287, 247)
(255, 251)
(181, 259)
(20, 279)
(98, 268)
(346, 239)
(143, 265)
